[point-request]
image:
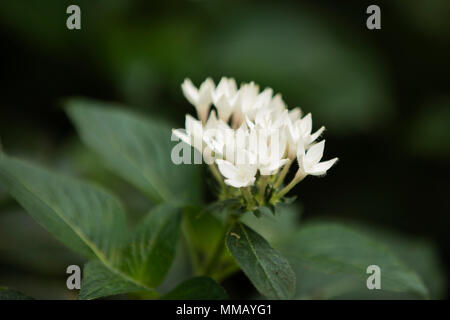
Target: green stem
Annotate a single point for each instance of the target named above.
(226, 272)
(247, 193)
(283, 174)
(262, 188)
(217, 254)
(191, 249)
(298, 177)
(216, 174)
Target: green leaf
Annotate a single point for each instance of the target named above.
(100, 281)
(11, 294)
(339, 252)
(275, 228)
(27, 246)
(200, 224)
(269, 272)
(150, 254)
(198, 288)
(84, 217)
(137, 148)
(420, 255)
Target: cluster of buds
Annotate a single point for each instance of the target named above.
(250, 139)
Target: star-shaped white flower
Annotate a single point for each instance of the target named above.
(193, 134)
(248, 94)
(225, 98)
(200, 98)
(309, 162)
(239, 175)
(299, 132)
(271, 151)
(306, 128)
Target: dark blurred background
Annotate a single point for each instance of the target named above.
(382, 94)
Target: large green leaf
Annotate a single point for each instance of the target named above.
(11, 294)
(269, 272)
(27, 246)
(152, 249)
(100, 281)
(421, 255)
(340, 256)
(84, 217)
(200, 224)
(137, 148)
(198, 288)
(275, 227)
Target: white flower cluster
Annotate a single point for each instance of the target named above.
(251, 132)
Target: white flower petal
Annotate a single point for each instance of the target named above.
(205, 89)
(182, 135)
(227, 169)
(295, 114)
(315, 153)
(224, 108)
(322, 167)
(306, 124)
(240, 183)
(212, 121)
(272, 167)
(316, 135)
(190, 91)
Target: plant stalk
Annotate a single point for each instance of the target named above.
(215, 257)
(283, 174)
(298, 177)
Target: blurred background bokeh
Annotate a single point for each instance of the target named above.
(383, 96)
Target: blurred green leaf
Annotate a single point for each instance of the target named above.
(312, 60)
(343, 254)
(200, 224)
(274, 228)
(198, 288)
(137, 148)
(180, 270)
(27, 246)
(429, 132)
(269, 272)
(84, 217)
(418, 254)
(150, 254)
(11, 294)
(100, 281)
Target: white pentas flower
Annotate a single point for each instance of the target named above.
(193, 134)
(299, 133)
(225, 98)
(250, 138)
(239, 174)
(308, 162)
(200, 98)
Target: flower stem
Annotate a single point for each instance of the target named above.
(191, 249)
(247, 193)
(215, 257)
(283, 174)
(262, 188)
(298, 177)
(216, 174)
